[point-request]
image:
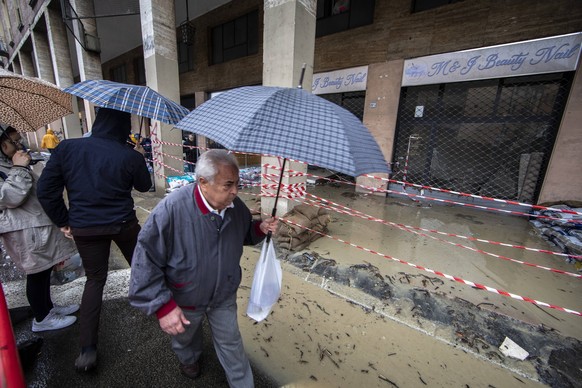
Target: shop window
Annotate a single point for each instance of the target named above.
(424, 5)
(185, 57)
(491, 137)
(341, 15)
(119, 74)
(353, 102)
(139, 68)
(235, 39)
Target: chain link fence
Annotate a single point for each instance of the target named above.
(492, 138)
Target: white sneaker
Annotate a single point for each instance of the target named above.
(53, 322)
(65, 310)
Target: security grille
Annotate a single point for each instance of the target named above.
(351, 101)
(490, 138)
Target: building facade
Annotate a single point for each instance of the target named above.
(509, 132)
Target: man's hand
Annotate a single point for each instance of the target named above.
(173, 323)
(21, 158)
(67, 232)
(269, 225)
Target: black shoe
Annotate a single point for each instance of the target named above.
(29, 351)
(191, 371)
(87, 360)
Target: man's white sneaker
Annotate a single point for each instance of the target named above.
(53, 322)
(65, 310)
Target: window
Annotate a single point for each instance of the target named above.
(119, 74)
(340, 15)
(423, 5)
(235, 39)
(20, 25)
(185, 57)
(139, 68)
(353, 102)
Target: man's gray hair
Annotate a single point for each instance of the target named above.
(208, 162)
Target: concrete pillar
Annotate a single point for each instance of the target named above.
(62, 66)
(381, 113)
(89, 61)
(161, 67)
(563, 181)
(43, 65)
(288, 42)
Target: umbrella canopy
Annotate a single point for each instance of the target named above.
(28, 103)
(291, 123)
(134, 99)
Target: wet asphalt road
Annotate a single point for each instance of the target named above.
(133, 352)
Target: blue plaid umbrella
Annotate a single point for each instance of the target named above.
(290, 123)
(134, 99)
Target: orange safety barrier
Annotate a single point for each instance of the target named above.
(10, 370)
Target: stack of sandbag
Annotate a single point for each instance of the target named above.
(293, 235)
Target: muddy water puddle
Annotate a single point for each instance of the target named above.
(405, 350)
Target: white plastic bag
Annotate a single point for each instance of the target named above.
(266, 286)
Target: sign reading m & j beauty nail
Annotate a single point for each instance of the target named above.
(538, 56)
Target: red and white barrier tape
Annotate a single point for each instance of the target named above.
(461, 194)
(345, 210)
(408, 227)
(380, 190)
(404, 183)
(450, 277)
(299, 192)
(403, 226)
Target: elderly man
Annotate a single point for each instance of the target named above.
(186, 265)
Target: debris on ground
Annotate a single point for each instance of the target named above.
(474, 327)
(563, 230)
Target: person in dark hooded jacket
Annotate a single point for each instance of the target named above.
(98, 173)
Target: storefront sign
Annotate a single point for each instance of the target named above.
(548, 55)
(340, 81)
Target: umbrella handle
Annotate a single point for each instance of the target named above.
(274, 212)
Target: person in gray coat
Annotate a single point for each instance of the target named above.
(186, 265)
(33, 242)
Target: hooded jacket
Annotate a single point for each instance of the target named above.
(50, 140)
(98, 172)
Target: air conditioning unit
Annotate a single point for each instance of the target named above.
(92, 43)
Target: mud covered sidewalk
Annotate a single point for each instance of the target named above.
(347, 317)
(349, 329)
